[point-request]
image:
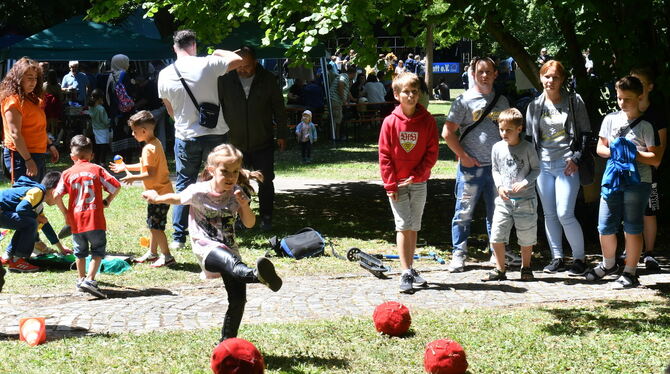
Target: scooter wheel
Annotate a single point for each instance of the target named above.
(352, 253)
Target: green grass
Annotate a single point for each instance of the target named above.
(605, 337)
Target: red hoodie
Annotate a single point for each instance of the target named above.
(408, 147)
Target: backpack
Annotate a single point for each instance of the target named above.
(307, 242)
(126, 103)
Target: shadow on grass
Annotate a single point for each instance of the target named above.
(292, 364)
(186, 266)
(360, 210)
(579, 321)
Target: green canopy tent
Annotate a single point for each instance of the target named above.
(78, 39)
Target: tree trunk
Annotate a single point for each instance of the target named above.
(429, 57)
(514, 47)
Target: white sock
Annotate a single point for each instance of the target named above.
(630, 269)
(609, 263)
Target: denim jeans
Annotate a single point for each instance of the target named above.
(19, 166)
(264, 161)
(190, 154)
(627, 205)
(471, 184)
(23, 240)
(558, 194)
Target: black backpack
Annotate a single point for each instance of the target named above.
(307, 242)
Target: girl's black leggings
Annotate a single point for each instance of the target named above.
(236, 274)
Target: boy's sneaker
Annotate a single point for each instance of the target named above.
(177, 245)
(147, 257)
(555, 266)
(164, 261)
(495, 275)
(418, 279)
(578, 268)
(527, 274)
(406, 282)
(91, 287)
(600, 272)
(650, 263)
(22, 266)
(457, 264)
(626, 280)
(266, 274)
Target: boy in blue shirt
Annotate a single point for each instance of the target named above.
(21, 211)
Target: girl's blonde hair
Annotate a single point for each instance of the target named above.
(227, 152)
(11, 85)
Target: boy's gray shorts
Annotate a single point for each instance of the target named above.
(408, 209)
(522, 214)
(95, 239)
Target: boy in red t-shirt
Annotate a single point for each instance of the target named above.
(408, 148)
(84, 182)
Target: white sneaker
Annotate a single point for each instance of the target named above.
(457, 264)
(177, 245)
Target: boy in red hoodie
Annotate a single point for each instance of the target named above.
(408, 148)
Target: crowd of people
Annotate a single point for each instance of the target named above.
(225, 107)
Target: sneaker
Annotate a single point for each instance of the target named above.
(5, 260)
(22, 266)
(266, 274)
(554, 266)
(626, 280)
(511, 259)
(418, 279)
(91, 287)
(147, 257)
(578, 268)
(495, 275)
(527, 274)
(164, 261)
(406, 282)
(457, 264)
(650, 263)
(592, 275)
(177, 245)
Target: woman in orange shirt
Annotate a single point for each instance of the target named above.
(24, 122)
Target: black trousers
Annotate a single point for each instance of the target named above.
(306, 149)
(264, 161)
(236, 275)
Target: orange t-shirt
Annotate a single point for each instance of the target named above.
(154, 156)
(33, 124)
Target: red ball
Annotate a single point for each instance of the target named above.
(445, 357)
(392, 318)
(237, 356)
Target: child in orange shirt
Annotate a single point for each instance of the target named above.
(154, 175)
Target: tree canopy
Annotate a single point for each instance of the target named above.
(621, 34)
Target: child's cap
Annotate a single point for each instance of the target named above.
(308, 112)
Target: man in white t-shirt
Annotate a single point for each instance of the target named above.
(193, 142)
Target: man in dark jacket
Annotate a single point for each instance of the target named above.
(253, 107)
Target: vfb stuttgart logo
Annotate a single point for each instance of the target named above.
(408, 140)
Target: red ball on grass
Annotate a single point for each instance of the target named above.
(445, 356)
(392, 318)
(237, 356)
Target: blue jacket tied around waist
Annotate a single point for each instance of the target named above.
(621, 170)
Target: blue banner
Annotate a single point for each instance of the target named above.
(446, 67)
